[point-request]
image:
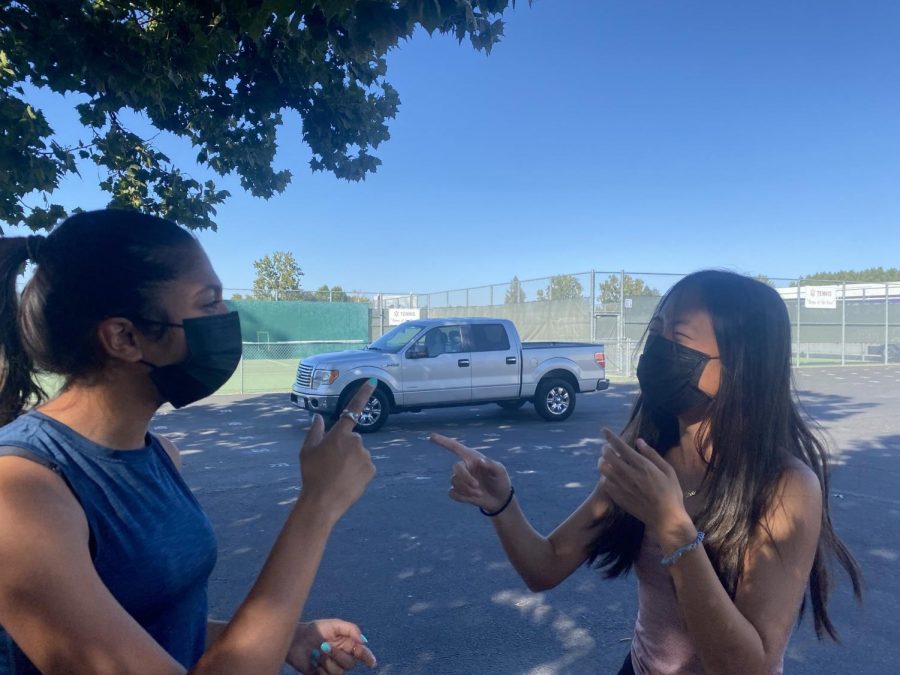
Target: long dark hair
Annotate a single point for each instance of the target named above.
(93, 266)
(754, 427)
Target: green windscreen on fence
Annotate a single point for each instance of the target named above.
(278, 334)
(289, 320)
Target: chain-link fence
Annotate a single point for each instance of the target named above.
(841, 323)
(832, 322)
(835, 323)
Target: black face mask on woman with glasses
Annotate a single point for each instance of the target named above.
(669, 375)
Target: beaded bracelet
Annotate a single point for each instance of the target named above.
(670, 560)
(491, 514)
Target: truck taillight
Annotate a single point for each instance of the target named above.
(600, 359)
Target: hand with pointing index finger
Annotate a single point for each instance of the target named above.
(476, 479)
(335, 467)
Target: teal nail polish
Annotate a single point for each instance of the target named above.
(364, 638)
(325, 647)
(373, 381)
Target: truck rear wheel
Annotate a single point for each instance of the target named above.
(554, 399)
(373, 416)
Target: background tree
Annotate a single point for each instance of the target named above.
(515, 294)
(326, 293)
(610, 293)
(868, 275)
(218, 74)
(562, 287)
(277, 277)
(338, 294)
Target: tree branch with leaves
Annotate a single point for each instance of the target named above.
(218, 74)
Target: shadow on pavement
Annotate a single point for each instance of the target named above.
(426, 578)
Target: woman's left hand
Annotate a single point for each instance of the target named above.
(346, 648)
(644, 484)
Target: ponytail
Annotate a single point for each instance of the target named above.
(18, 387)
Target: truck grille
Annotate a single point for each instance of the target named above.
(304, 376)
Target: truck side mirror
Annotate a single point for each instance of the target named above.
(416, 353)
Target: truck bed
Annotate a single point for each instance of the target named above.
(545, 345)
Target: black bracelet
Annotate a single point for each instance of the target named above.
(489, 514)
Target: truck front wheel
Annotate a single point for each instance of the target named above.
(373, 416)
(554, 399)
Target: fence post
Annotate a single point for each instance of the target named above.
(592, 308)
(381, 313)
(844, 323)
(627, 359)
(887, 322)
(798, 321)
(492, 295)
(623, 341)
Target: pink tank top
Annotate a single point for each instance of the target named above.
(661, 644)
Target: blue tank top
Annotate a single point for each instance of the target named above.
(150, 542)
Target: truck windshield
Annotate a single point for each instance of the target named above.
(394, 340)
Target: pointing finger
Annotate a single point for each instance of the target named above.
(620, 447)
(467, 455)
(357, 404)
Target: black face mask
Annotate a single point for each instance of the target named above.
(214, 350)
(669, 374)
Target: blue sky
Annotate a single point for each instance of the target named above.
(627, 134)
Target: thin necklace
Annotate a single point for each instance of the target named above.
(690, 494)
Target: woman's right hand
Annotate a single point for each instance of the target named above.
(476, 479)
(335, 467)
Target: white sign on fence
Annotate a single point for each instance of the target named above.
(397, 316)
(820, 297)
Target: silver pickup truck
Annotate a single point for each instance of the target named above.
(450, 362)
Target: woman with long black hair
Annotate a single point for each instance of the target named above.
(715, 492)
(105, 554)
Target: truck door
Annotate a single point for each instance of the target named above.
(495, 363)
(437, 368)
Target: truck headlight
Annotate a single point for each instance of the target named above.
(321, 377)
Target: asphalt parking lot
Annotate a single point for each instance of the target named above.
(426, 578)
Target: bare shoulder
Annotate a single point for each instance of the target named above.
(799, 482)
(29, 487)
(797, 504)
(48, 583)
(33, 498)
(171, 449)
